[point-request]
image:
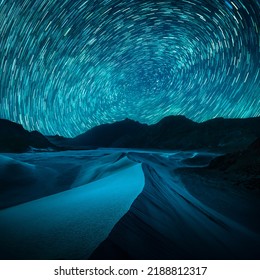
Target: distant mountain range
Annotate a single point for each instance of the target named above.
(173, 132)
(15, 139)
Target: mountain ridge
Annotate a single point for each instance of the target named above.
(15, 139)
(172, 132)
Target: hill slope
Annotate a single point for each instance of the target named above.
(173, 132)
(15, 139)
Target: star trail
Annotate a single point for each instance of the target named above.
(69, 65)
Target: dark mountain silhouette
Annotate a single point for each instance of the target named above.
(125, 133)
(15, 139)
(173, 132)
(57, 139)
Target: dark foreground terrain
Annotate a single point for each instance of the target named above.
(186, 212)
(125, 204)
(173, 190)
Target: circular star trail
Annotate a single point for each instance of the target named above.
(69, 65)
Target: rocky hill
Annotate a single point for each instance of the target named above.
(173, 132)
(15, 139)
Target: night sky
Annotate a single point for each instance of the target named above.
(69, 65)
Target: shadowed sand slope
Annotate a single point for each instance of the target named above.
(167, 222)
